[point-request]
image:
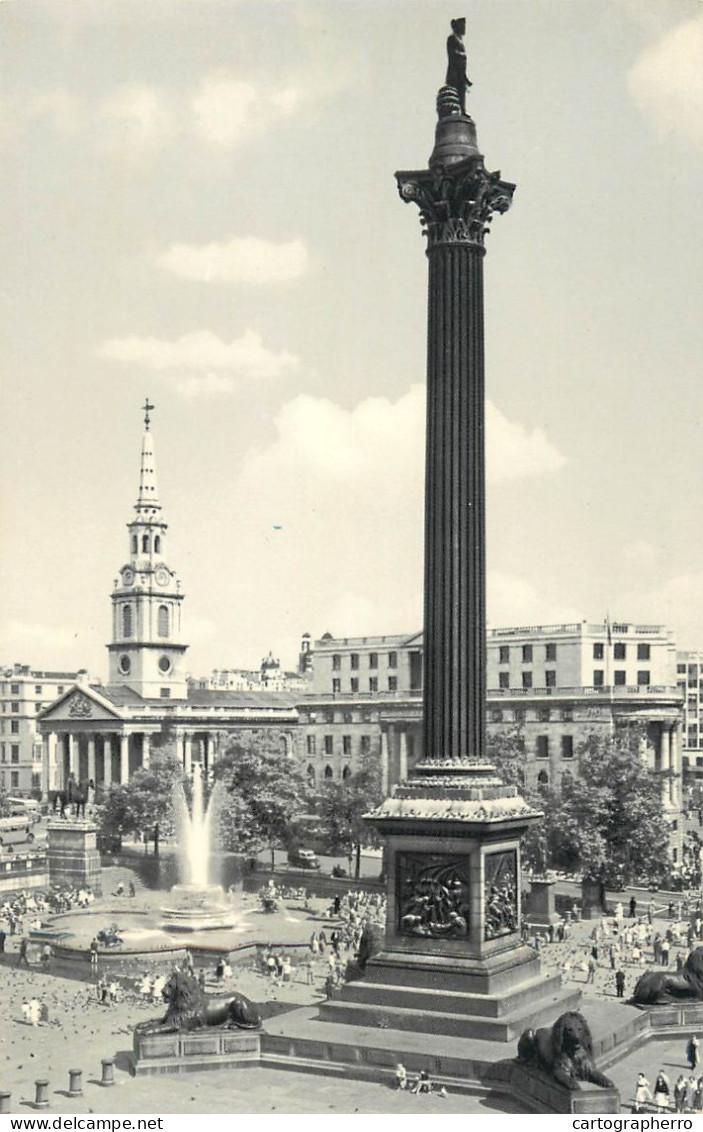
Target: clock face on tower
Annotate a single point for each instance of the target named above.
(128, 576)
(162, 576)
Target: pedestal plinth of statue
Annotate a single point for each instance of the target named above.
(72, 854)
(541, 909)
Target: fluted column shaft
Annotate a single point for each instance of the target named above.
(455, 565)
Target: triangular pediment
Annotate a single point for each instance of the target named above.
(80, 704)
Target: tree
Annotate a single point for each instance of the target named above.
(340, 807)
(505, 749)
(263, 793)
(144, 802)
(608, 822)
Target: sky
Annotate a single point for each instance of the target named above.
(200, 207)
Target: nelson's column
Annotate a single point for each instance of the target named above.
(453, 961)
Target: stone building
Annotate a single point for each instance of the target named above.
(105, 732)
(24, 693)
(689, 675)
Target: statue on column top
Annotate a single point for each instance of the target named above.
(456, 62)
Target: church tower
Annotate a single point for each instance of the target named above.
(146, 653)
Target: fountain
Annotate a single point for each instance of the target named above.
(197, 904)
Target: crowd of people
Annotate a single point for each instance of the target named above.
(686, 1094)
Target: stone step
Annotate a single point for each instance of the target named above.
(451, 1001)
(504, 1029)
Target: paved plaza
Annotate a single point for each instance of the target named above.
(81, 1031)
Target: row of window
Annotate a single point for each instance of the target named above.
(146, 544)
(542, 746)
(550, 652)
(328, 773)
(14, 726)
(347, 747)
(354, 657)
(14, 753)
(373, 684)
(543, 715)
(14, 780)
(550, 679)
(163, 621)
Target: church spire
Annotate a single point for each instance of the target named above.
(148, 498)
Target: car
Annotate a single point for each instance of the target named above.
(303, 859)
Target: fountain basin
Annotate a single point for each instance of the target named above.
(197, 908)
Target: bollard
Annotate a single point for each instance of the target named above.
(5, 1105)
(75, 1082)
(108, 1064)
(41, 1099)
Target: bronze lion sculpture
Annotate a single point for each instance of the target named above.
(189, 1008)
(656, 987)
(564, 1050)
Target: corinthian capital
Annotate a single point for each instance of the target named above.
(457, 202)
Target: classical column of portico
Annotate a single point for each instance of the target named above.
(385, 776)
(675, 793)
(73, 755)
(188, 753)
(665, 762)
(124, 758)
(91, 757)
(107, 761)
(146, 749)
(206, 752)
(403, 750)
(50, 768)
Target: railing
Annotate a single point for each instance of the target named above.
(603, 691)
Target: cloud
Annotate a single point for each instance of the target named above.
(666, 83)
(200, 362)
(224, 110)
(24, 638)
(640, 553)
(137, 117)
(511, 600)
(516, 452)
(240, 260)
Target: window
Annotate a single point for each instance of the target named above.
(598, 680)
(567, 714)
(336, 662)
(373, 683)
(527, 679)
(346, 773)
(126, 620)
(392, 660)
(619, 650)
(496, 716)
(37, 687)
(543, 778)
(373, 660)
(550, 678)
(519, 715)
(14, 707)
(692, 704)
(550, 651)
(354, 660)
(164, 664)
(681, 668)
(14, 689)
(365, 744)
(619, 677)
(347, 717)
(643, 678)
(157, 544)
(544, 715)
(598, 651)
(329, 773)
(310, 743)
(503, 679)
(643, 652)
(346, 744)
(59, 690)
(542, 750)
(329, 744)
(14, 753)
(355, 683)
(2, 752)
(14, 726)
(162, 621)
(527, 654)
(336, 686)
(392, 683)
(567, 746)
(165, 693)
(145, 544)
(38, 706)
(135, 545)
(311, 773)
(15, 779)
(504, 654)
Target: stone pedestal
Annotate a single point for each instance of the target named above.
(72, 854)
(541, 910)
(192, 1051)
(592, 900)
